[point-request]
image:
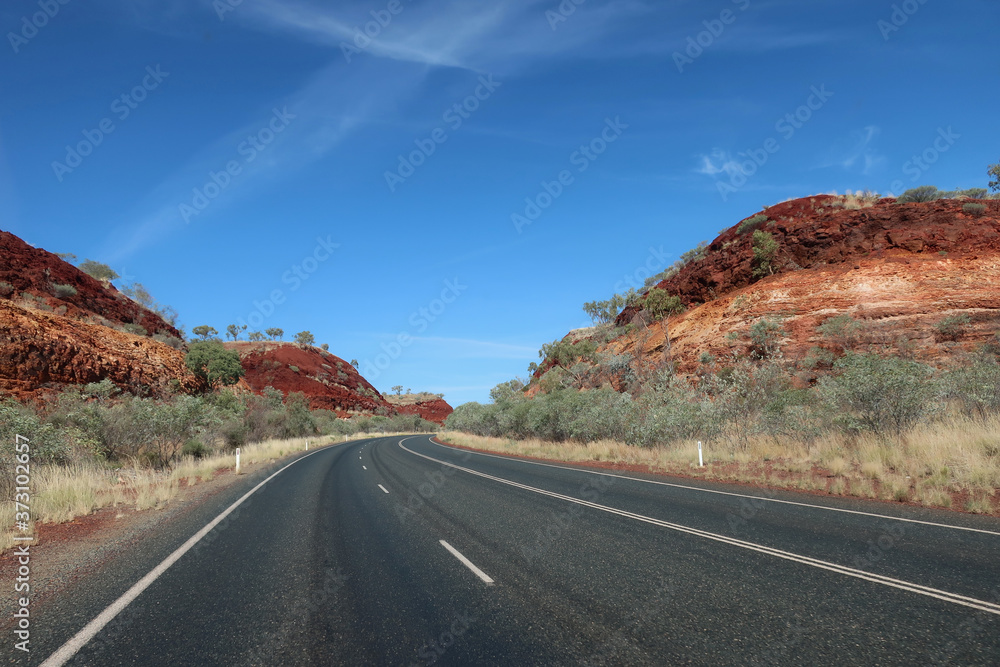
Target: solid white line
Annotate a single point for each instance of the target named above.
(80, 639)
(953, 598)
(468, 563)
(383, 488)
(721, 493)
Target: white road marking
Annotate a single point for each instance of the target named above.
(365, 467)
(383, 488)
(468, 563)
(721, 493)
(954, 598)
(65, 652)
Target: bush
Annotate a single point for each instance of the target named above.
(952, 326)
(6, 289)
(659, 304)
(98, 271)
(751, 223)
(135, 329)
(765, 337)
(765, 249)
(923, 193)
(213, 363)
(62, 291)
(304, 338)
(843, 331)
(879, 394)
(975, 210)
(167, 339)
(195, 448)
(976, 385)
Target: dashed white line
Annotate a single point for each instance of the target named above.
(919, 589)
(468, 563)
(365, 467)
(383, 488)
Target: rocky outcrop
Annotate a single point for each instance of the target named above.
(431, 407)
(41, 351)
(30, 275)
(329, 382)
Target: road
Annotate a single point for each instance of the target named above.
(400, 551)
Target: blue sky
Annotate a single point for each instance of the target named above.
(469, 175)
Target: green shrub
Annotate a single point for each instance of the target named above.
(659, 304)
(975, 210)
(751, 223)
(843, 331)
(923, 193)
(167, 339)
(62, 291)
(135, 329)
(765, 249)
(879, 394)
(98, 271)
(6, 289)
(195, 448)
(213, 363)
(952, 326)
(294, 369)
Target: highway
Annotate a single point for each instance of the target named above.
(401, 551)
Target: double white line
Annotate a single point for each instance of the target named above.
(954, 598)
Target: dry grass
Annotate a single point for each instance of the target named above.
(929, 464)
(62, 493)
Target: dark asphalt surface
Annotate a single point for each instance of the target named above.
(321, 566)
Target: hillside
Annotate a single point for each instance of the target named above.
(329, 382)
(59, 327)
(899, 270)
(431, 407)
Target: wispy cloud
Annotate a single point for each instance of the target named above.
(718, 161)
(856, 152)
(327, 109)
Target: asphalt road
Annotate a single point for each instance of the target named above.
(403, 552)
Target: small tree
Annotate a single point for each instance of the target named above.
(256, 337)
(924, 193)
(398, 389)
(304, 338)
(98, 271)
(765, 249)
(234, 331)
(659, 304)
(213, 363)
(994, 173)
(354, 362)
(325, 347)
(205, 332)
(275, 333)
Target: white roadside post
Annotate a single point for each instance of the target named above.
(237, 460)
(701, 462)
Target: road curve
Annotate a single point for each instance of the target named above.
(401, 551)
